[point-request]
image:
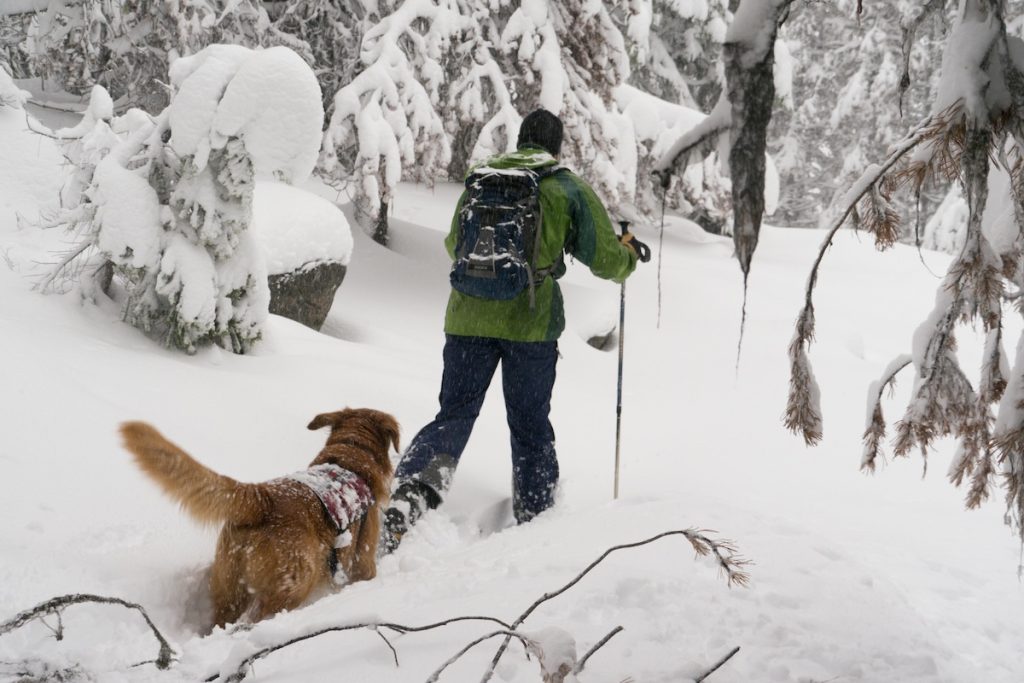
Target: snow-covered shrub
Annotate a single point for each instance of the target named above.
(169, 202)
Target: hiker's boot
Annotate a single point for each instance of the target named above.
(408, 503)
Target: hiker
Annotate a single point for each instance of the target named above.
(487, 326)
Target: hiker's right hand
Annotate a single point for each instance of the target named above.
(642, 251)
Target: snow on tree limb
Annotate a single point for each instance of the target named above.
(700, 140)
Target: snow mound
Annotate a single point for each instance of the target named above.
(297, 228)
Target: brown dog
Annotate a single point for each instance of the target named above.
(279, 541)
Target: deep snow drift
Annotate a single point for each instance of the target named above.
(857, 578)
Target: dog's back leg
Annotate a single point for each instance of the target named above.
(229, 590)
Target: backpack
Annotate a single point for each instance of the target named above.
(499, 234)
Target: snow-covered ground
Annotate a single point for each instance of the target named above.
(857, 578)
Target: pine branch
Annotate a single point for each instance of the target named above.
(875, 431)
(58, 604)
(724, 552)
(803, 414)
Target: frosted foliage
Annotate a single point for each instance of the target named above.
(85, 145)
(129, 233)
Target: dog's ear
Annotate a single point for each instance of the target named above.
(326, 420)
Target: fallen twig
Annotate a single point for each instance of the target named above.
(717, 666)
(601, 643)
(451, 660)
(243, 666)
(56, 605)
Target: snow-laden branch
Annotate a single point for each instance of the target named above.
(699, 141)
(803, 410)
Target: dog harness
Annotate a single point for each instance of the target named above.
(345, 496)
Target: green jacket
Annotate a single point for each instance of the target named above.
(574, 221)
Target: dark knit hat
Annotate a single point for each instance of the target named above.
(542, 128)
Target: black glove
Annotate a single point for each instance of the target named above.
(642, 251)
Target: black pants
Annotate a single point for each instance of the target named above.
(528, 376)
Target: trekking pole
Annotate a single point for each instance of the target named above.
(624, 225)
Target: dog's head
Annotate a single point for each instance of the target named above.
(372, 429)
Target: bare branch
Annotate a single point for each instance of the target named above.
(64, 263)
(56, 605)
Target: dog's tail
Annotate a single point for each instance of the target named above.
(205, 495)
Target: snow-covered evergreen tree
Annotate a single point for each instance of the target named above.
(170, 202)
(851, 101)
(385, 123)
(479, 103)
